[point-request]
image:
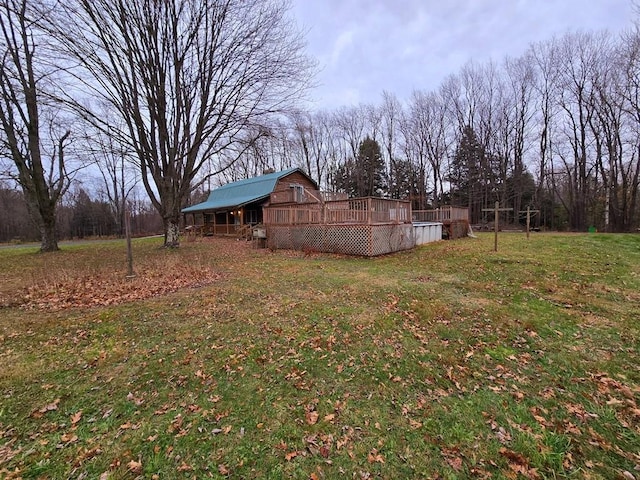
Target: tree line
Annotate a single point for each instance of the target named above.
(555, 130)
(78, 216)
(179, 97)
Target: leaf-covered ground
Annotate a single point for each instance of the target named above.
(81, 276)
(449, 361)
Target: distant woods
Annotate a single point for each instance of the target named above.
(147, 106)
(556, 130)
(79, 216)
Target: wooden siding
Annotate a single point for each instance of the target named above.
(295, 178)
(285, 193)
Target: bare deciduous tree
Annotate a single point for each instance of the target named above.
(520, 86)
(185, 78)
(115, 167)
(37, 152)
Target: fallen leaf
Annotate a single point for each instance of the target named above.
(312, 417)
(134, 467)
(455, 463)
(47, 408)
(414, 424)
(375, 457)
(75, 418)
(68, 438)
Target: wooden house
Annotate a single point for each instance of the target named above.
(294, 214)
(234, 208)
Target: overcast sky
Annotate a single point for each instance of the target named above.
(366, 46)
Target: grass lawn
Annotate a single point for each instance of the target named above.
(450, 361)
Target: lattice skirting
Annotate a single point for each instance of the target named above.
(363, 240)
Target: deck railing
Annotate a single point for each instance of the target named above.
(304, 196)
(441, 214)
(291, 215)
(211, 229)
(367, 210)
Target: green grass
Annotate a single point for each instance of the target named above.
(449, 361)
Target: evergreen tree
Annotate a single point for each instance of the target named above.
(407, 184)
(471, 175)
(464, 167)
(365, 175)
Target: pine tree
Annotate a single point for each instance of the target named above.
(365, 175)
(471, 175)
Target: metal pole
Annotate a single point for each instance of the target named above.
(127, 227)
(495, 228)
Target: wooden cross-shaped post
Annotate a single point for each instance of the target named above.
(528, 211)
(496, 210)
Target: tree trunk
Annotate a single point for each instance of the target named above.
(49, 236)
(171, 233)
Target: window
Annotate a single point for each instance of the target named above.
(298, 193)
(251, 217)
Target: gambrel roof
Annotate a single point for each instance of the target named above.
(242, 192)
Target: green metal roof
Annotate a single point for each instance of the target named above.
(237, 194)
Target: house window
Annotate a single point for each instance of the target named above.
(298, 193)
(251, 217)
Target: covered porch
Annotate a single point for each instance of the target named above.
(235, 221)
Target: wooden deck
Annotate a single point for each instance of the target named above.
(361, 211)
(443, 214)
(366, 226)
